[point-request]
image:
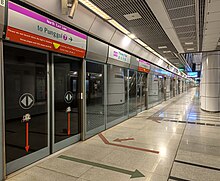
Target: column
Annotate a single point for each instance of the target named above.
(210, 82)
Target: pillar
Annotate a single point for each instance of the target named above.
(210, 82)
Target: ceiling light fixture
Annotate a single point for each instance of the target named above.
(141, 43)
(162, 47)
(118, 26)
(188, 43)
(190, 49)
(95, 9)
(168, 51)
(132, 36)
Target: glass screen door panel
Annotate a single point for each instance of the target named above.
(143, 88)
(95, 117)
(117, 88)
(132, 92)
(26, 105)
(139, 91)
(66, 112)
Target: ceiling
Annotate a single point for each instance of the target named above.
(170, 27)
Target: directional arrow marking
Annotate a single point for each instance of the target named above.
(133, 174)
(125, 146)
(69, 97)
(29, 100)
(27, 140)
(24, 101)
(125, 139)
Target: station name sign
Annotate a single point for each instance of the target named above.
(119, 55)
(30, 28)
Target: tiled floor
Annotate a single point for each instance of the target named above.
(187, 139)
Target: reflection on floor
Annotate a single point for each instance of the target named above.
(186, 138)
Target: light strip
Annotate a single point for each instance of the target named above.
(132, 36)
(141, 43)
(105, 16)
(118, 26)
(95, 9)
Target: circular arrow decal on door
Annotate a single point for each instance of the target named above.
(68, 97)
(26, 101)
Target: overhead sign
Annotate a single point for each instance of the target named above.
(68, 97)
(119, 55)
(143, 66)
(30, 28)
(2, 3)
(192, 74)
(26, 101)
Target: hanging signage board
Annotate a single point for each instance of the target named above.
(143, 66)
(119, 55)
(30, 28)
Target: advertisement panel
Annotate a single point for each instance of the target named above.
(30, 28)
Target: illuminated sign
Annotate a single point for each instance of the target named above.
(143, 66)
(30, 28)
(192, 74)
(119, 55)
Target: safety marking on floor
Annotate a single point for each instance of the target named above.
(177, 178)
(197, 165)
(125, 146)
(189, 122)
(124, 139)
(155, 121)
(133, 174)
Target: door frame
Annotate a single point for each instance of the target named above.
(2, 117)
(33, 157)
(73, 139)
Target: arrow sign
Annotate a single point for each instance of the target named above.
(27, 144)
(120, 140)
(68, 97)
(26, 101)
(70, 38)
(133, 174)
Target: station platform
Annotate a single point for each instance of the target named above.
(175, 140)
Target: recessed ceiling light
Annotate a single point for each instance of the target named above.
(162, 47)
(188, 43)
(132, 16)
(167, 51)
(190, 49)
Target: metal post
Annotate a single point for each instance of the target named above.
(2, 105)
(2, 117)
(83, 101)
(105, 95)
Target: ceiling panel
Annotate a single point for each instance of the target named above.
(146, 28)
(183, 16)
